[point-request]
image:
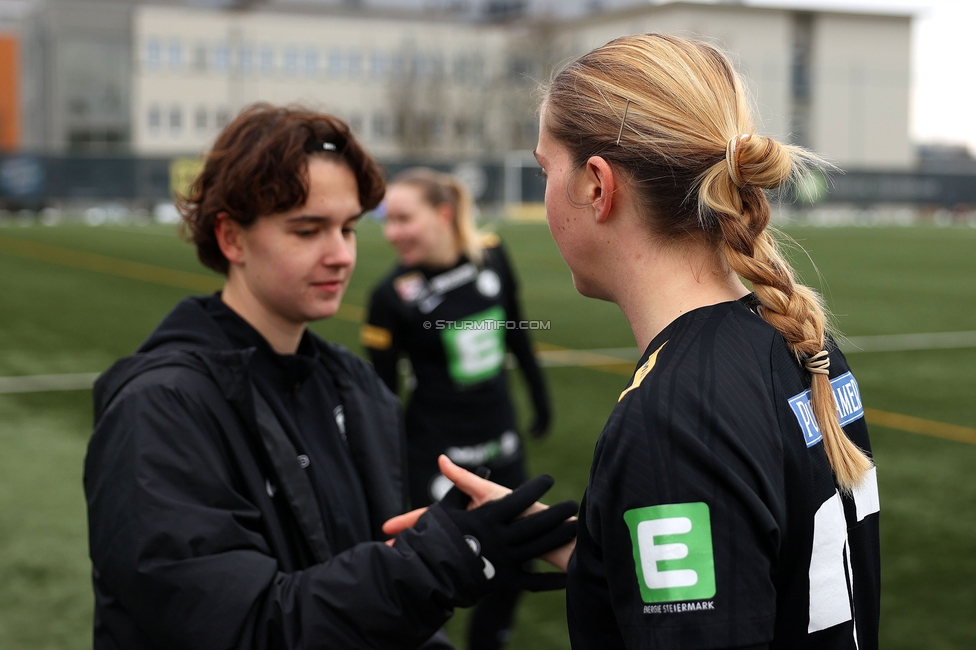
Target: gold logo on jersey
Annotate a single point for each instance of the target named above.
(642, 372)
(376, 338)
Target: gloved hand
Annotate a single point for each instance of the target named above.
(505, 543)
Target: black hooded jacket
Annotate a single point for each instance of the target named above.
(205, 532)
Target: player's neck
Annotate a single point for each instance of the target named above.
(282, 335)
(444, 257)
(663, 286)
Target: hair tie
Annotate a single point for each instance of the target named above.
(623, 120)
(313, 147)
(818, 364)
(732, 158)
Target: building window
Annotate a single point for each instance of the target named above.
(222, 118)
(476, 70)
(222, 58)
(520, 70)
(399, 65)
(291, 60)
(175, 55)
(460, 68)
(438, 127)
(245, 59)
(175, 119)
(200, 118)
(421, 66)
(355, 65)
(311, 62)
(437, 67)
(267, 60)
(356, 124)
(154, 55)
(335, 63)
(378, 65)
(381, 126)
(155, 118)
(200, 57)
(801, 81)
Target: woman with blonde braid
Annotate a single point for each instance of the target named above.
(732, 502)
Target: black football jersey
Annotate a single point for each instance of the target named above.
(712, 518)
(456, 326)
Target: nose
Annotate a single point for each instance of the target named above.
(338, 251)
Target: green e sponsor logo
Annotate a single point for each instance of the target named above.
(673, 551)
(475, 346)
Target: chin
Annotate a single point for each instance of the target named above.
(323, 309)
(408, 259)
(590, 289)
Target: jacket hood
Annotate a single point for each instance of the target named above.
(188, 336)
(189, 325)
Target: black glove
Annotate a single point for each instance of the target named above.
(504, 544)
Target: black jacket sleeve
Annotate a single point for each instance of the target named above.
(187, 554)
(518, 342)
(381, 336)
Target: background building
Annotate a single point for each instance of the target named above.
(832, 81)
(447, 82)
(409, 85)
(447, 79)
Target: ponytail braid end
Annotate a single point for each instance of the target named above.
(848, 461)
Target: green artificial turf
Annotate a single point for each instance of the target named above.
(61, 319)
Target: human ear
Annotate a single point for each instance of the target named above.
(600, 187)
(229, 238)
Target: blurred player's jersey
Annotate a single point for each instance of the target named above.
(711, 518)
(455, 325)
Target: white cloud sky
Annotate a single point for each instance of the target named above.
(943, 63)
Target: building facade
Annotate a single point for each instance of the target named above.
(407, 86)
(162, 77)
(835, 82)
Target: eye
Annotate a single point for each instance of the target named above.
(542, 174)
(305, 234)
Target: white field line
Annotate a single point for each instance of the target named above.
(564, 358)
(40, 383)
(599, 357)
(906, 342)
(850, 345)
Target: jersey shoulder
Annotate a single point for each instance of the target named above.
(706, 349)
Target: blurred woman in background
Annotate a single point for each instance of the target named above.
(451, 308)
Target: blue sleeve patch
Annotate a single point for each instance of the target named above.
(849, 407)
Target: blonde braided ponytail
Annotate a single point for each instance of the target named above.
(733, 191)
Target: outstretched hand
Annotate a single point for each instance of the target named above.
(505, 538)
(481, 492)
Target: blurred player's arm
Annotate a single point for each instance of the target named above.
(518, 342)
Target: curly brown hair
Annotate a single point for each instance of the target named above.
(259, 166)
